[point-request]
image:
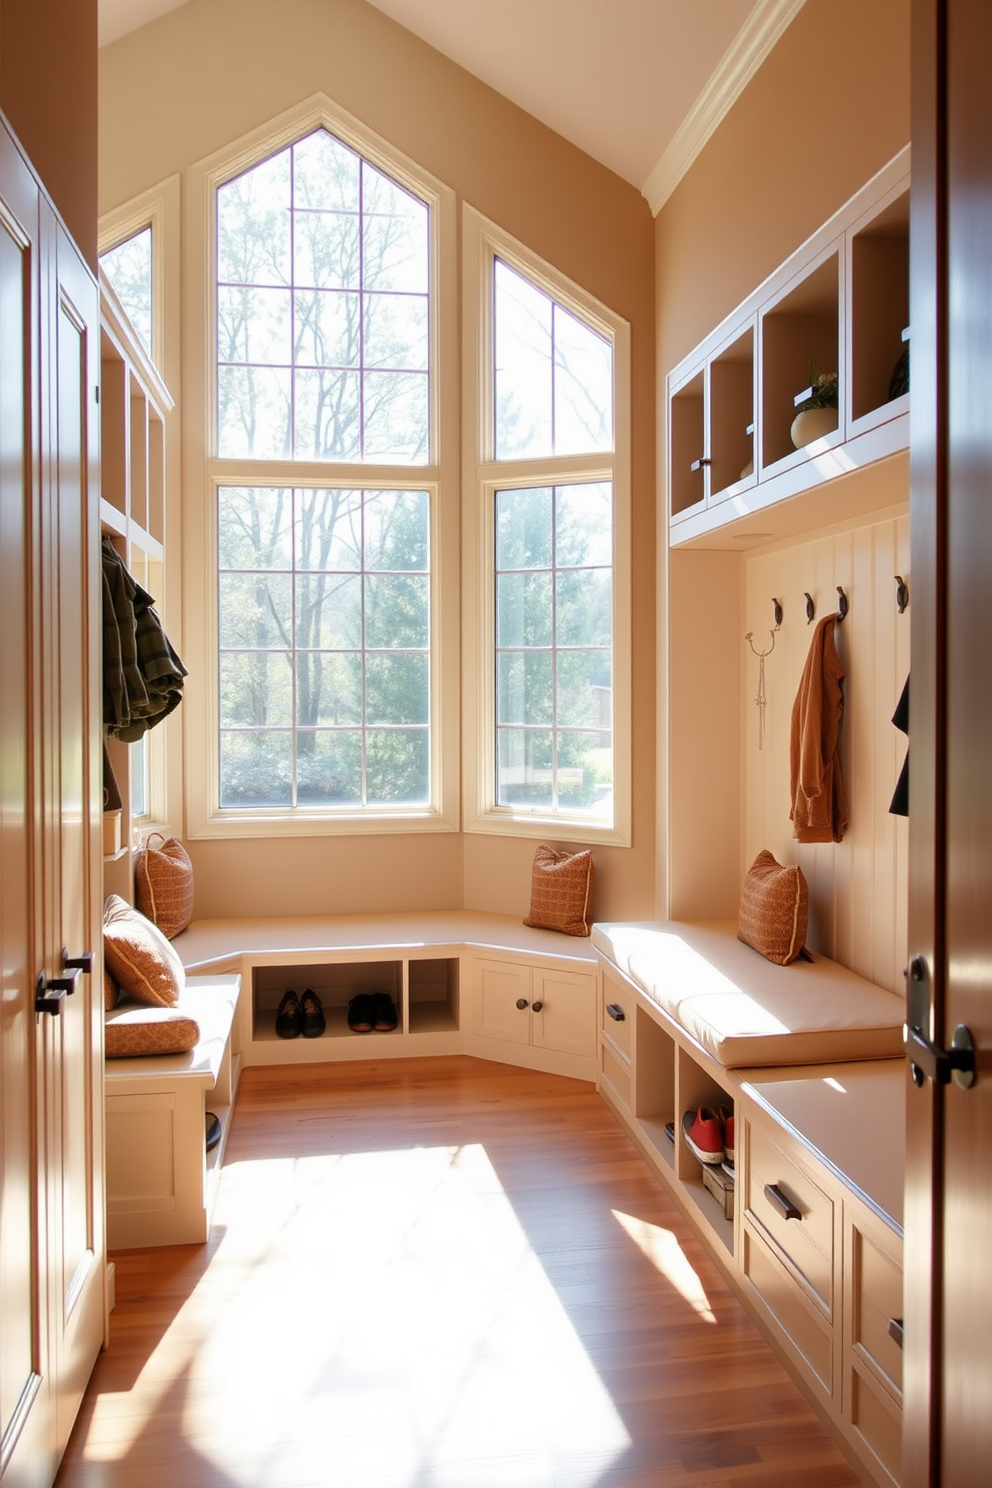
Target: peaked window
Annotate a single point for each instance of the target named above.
(129, 269)
(323, 324)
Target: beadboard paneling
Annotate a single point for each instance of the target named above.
(857, 887)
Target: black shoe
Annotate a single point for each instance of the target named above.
(384, 1018)
(212, 1129)
(361, 1013)
(314, 1022)
(289, 1017)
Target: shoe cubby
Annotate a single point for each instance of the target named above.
(432, 995)
(335, 983)
(799, 331)
(696, 1087)
(839, 304)
(654, 1087)
(879, 294)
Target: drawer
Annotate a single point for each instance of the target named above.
(876, 1421)
(793, 1212)
(618, 1005)
(798, 1319)
(614, 1074)
(876, 1299)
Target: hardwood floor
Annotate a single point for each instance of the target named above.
(437, 1273)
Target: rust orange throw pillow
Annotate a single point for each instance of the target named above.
(774, 909)
(561, 891)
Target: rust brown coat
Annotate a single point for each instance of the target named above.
(819, 806)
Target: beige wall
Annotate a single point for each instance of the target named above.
(827, 109)
(48, 91)
(207, 73)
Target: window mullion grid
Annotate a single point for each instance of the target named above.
(361, 363)
(364, 724)
(292, 305)
(293, 658)
(554, 636)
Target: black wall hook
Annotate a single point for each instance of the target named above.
(810, 608)
(902, 593)
(842, 604)
(778, 613)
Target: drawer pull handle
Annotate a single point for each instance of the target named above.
(781, 1202)
(522, 1003)
(616, 1012)
(895, 1330)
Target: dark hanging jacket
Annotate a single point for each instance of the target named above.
(142, 675)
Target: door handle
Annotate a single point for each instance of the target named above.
(927, 1060)
(51, 992)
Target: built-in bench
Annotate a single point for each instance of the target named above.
(161, 1180)
(745, 1011)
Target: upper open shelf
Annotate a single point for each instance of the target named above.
(839, 305)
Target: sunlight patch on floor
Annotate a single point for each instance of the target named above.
(666, 1254)
(389, 1317)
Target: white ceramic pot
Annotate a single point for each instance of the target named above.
(813, 423)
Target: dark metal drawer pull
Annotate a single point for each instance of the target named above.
(781, 1202)
(616, 1012)
(895, 1330)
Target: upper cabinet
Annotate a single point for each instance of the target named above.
(826, 336)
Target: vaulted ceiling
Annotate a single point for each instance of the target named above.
(638, 84)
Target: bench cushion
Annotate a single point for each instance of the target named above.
(745, 1011)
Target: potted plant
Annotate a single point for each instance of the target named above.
(816, 408)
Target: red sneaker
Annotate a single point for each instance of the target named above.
(703, 1132)
(727, 1117)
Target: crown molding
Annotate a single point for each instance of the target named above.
(762, 29)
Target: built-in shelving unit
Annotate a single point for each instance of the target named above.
(134, 405)
(839, 305)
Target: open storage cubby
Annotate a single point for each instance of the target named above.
(696, 1087)
(879, 308)
(800, 338)
(654, 1087)
(839, 304)
(432, 995)
(688, 445)
(335, 983)
(732, 414)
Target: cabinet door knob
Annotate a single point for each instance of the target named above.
(781, 1202)
(522, 1003)
(616, 1012)
(699, 464)
(537, 1006)
(895, 1330)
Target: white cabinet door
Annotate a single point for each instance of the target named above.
(502, 1001)
(563, 1009)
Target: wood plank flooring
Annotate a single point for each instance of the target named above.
(437, 1273)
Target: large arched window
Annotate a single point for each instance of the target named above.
(324, 489)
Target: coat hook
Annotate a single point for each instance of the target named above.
(842, 604)
(778, 613)
(902, 593)
(810, 608)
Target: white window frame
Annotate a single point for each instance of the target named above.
(204, 472)
(483, 475)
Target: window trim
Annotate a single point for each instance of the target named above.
(204, 472)
(483, 241)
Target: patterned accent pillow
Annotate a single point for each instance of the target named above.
(163, 884)
(561, 891)
(774, 909)
(138, 956)
(150, 1030)
(111, 992)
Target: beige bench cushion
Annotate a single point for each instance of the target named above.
(747, 1012)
